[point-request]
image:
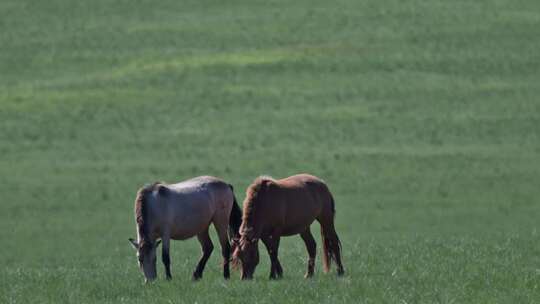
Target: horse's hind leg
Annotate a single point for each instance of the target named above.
(311, 247)
(207, 247)
(166, 257)
(272, 245)
(221, 229)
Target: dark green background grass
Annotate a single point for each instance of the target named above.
(422, 116)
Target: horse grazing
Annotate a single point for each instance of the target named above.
(276, 208)
(181, 211)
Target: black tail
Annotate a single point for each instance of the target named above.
(331, 242)
(235, 219)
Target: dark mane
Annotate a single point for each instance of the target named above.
(141, 210)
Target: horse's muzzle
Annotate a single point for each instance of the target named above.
(149, 280)
(246, 276)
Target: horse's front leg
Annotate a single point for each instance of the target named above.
(272, 245)
(207, 248)
(165, 257)
(221, 229)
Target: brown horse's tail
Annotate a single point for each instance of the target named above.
(235, 219)
(330, 239)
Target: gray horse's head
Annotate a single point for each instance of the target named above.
(146, 256)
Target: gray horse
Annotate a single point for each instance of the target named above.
(181, 211)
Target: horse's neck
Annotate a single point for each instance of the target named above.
(150, 222)
(149, 235)
(255, 225)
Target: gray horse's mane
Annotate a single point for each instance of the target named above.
(141, 211)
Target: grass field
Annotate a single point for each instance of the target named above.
(422, 116)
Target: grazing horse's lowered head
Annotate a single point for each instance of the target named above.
(246, 254)
(246, 249)
(146, 256)
(145, 247)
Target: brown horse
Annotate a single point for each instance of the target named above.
(276, 208)
(181, 211)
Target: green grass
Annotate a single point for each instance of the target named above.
(422, 116)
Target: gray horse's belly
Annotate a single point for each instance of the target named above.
(191, 220)
(186, 228)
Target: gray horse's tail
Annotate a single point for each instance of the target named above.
(235, 219)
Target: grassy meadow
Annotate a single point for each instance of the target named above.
(422, 116)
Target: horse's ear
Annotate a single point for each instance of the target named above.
(133, 243)
(162, 190)
(235, 242)
(235, 259)
(267, 185)
(157, 243)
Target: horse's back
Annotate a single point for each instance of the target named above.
(193, 203)
(313, 185)
(304, 197)
(197, 184)
(302, 177)
(200, 190)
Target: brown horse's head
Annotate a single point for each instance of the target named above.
(245, 248)
(246, 254)
(146, 256)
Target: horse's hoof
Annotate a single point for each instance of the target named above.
(168, 278)
(340, 272)
(308, 275)
(196, 277)
(275, 276)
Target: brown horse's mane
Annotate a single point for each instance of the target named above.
(141, 211)
(250, 203)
